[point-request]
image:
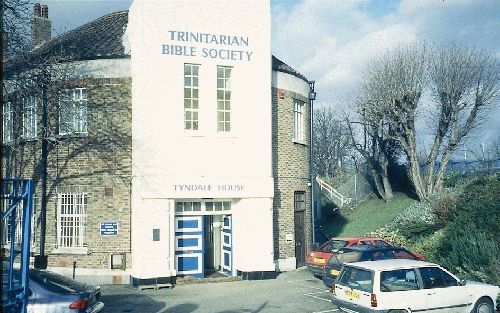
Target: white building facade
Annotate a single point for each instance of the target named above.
(202, 189)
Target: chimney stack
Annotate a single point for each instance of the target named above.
(37, 10)
(41, 27)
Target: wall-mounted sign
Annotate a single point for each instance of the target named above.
(108, 228)
(209, 48)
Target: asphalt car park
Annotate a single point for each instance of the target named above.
(290, 292)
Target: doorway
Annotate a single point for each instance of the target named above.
(300, 248)
(213, 228)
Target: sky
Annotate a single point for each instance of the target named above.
(332, 41)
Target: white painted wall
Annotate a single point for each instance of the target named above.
(165, 155)
(290, 82)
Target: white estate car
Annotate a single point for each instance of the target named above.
(400, 285)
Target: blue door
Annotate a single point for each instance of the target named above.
(189, 248)
(227, 245)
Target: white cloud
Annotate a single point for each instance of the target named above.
(333, 41)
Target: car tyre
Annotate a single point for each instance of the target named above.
(483, 305)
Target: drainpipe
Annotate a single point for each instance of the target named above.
(312, 97)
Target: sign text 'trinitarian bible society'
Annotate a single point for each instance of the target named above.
(207, 52)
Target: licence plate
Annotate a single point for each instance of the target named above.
(335, 272)
(352, 294)
(319, 260)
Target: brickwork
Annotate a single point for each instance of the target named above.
(98, 163)
(290, 171)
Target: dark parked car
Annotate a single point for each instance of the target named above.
(50, 292)
(319, 255)
(361, 253)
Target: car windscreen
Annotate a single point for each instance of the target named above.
(386, 255)
(356, 278)
(57, 283)
(333, 245)
(344, 256)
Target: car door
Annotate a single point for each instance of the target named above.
(443, 291)
(400, 289)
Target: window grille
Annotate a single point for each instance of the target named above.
(73, 107)
(191, 96)
(8, 126)
(6, 239)
(298, 120)
(29, 117)
(223, 98)
(71, 216)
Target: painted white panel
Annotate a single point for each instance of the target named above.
(226, 237)
(197, 247)
(252, 249)
(198, 220)
(198, 256)
(291, 83)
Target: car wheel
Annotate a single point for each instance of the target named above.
(483, 305)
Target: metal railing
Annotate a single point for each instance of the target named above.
(16, 193)
(334, 194)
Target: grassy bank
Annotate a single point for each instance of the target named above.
(366, 217)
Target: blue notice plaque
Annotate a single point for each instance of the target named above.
(108, 228)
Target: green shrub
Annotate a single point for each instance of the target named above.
(470, 253)
(429, 246)
(416, 220)
(390, 235)
(479, 205)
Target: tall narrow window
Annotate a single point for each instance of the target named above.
(29, 117)
(191, 96)
(73, 111)
(300, 201)
(223, 98)
(71, 220)
(298, 120)
(8, 126)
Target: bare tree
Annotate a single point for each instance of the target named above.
(331, 143)
(15, 16)
(376, 148)
(463, 82)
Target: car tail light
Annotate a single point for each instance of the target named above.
(80, 304)
(373, 300)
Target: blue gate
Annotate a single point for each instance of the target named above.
(189, 248)
(17, 211)
(227, 245)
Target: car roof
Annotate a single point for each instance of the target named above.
(371, 248)
(391, 264)
(356, 238)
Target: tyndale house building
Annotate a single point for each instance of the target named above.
(164, 141)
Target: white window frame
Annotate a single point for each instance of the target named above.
(298, 120)
(73, 111)
(29, 117)
(8, 120)
(191, 96)
(71, 222)
(203, 207)
(224, 98)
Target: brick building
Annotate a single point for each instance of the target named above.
(77, 106)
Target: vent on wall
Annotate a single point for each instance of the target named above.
(117, 261)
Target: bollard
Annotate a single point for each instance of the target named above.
(74, 269)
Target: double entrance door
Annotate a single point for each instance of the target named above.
(203, 245)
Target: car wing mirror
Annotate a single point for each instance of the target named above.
(462, 282)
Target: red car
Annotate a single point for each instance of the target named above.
(317, 258)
